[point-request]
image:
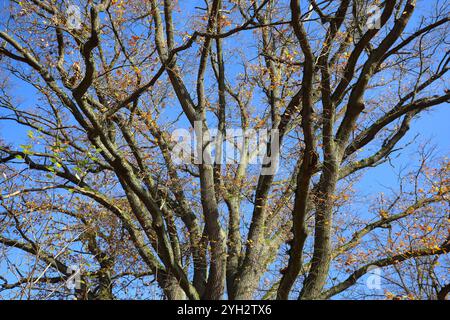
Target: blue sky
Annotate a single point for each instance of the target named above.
(432, 126)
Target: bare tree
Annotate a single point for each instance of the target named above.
(96, 183)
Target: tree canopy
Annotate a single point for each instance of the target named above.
(93, 92)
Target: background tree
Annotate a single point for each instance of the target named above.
(95, 183)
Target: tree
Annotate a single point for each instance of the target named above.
(336, 83)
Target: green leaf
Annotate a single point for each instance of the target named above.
(25, 146)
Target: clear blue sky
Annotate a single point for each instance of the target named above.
(433, 125)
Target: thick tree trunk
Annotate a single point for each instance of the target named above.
(104, 289)
(234, 247)
(321, 259)
(170, 286)
(247, 283)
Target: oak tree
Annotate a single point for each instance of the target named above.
(99, 88)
